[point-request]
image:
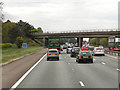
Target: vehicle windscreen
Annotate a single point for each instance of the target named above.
(84, 47)
(77, 49)
(85, 53)
(99, 49)
(51, 52)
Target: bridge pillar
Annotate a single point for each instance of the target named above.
(79, 41)
(46, 42)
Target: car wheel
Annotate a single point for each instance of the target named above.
(91, 61)
(47, 59)
(76, 60)
(57, 58)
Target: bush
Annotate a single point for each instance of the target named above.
(6, 45)
(14, 46)
(19, 42)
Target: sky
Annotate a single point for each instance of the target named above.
(64, 15)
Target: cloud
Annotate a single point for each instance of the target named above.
(61, 15)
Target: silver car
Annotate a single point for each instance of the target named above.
(98, 51)
(52, 53)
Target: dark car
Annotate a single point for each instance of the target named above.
(75, 51)
(84, 56)
(52, 53)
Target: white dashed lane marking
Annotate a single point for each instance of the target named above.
(103, 63)
(118, 69)
(81, 83)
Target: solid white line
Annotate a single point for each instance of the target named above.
(24, 76)
(81, 83)
(68, 63)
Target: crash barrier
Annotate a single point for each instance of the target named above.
(114, 53)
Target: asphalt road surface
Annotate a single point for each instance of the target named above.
(66, 73)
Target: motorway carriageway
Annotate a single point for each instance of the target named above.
(66, 73)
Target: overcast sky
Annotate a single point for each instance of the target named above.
(64, 15)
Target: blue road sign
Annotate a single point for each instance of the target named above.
(24, 45)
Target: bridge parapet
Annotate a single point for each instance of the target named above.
(73, 31)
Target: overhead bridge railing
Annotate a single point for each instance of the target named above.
(77, 31)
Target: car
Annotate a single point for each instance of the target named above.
(69, 49)
(101, 46)
(84, 49)
(84, 56)
(64, 46)
(52, 53)
(61, 48)
(98, 51)
(75, 51)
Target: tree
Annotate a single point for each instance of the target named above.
(1, 14)
(7, 27)
(92, 41)
(104, 42)
(40, 29)
(19, 42)
(24, 29)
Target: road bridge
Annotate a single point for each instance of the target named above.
(78, 34)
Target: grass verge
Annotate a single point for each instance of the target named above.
(13, 53)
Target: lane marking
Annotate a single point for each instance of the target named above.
(68, 63)
(94, 59)
(103, 63)
(25, 75)
(73, 69)
(81, 83)
(118, 69)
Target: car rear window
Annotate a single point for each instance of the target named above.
(85, 53)
(76, 49)
(52, 51)
(99, 49)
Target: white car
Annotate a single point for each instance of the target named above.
(98, 51)
(101, 46)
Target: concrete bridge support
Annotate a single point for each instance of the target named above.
(46, 42)
(79, 41)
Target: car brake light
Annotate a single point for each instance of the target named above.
(91, 56)
(57, 53)
(103, 50)
(72, 50)
(48, 53)
(79, 57)
(95, 50)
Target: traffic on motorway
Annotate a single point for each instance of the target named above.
(82, 54)
(83, 70)
(73, 66)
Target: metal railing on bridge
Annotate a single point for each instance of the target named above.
(77, 31)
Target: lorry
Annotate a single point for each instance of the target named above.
(54, 42)
(114, 43)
